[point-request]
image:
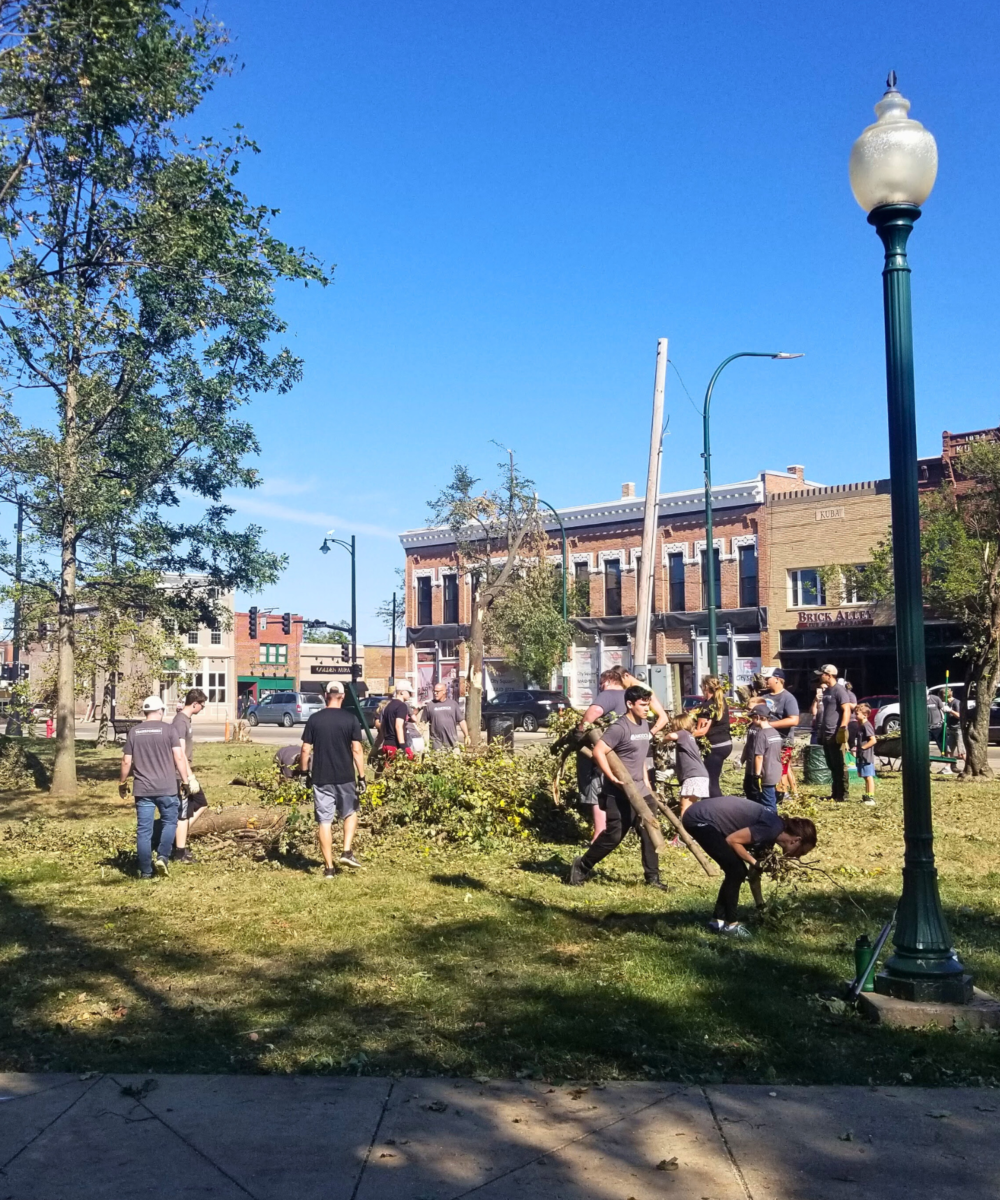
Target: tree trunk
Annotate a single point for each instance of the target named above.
(981, 681)
(240, 816)
(474, 694)
(64, 768)
(102, 728)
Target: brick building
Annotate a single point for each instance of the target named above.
(269, 663)
(603, 544)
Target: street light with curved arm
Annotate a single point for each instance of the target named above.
(713, 650)
(349, 547)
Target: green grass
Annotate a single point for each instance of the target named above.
(444, 960)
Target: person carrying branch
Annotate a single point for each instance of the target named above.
(736, 832)
(629, 738)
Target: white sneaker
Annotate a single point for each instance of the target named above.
(735, 931)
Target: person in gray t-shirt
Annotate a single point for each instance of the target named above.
(192, 800)
(154, 757)
(629, 738)
(692, 774)
(835, 710)
(445, 720)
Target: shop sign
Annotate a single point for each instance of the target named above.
(838, 618)
(830, 514)
(334, 669)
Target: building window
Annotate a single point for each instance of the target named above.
(274, 654)
(424, 600)
(449, 649)
(675, 574)
(850, 589)
(192, 637)
(748, 577)
(217, 687)
(216, 638)
(451, 599)
(613, 587)
(704, 578)
(805, 589)
(581, 589)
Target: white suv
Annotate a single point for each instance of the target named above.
(887, 717)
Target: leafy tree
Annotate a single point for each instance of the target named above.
(489, 527)
(525, 621)
(324, 637)
(960, 548)
(137, 298)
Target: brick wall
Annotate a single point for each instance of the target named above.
(268, 634)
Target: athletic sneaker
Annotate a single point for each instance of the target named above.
(329, 872)
(182, 856)
(657, 883)
(735, 931)
(578, 873)
(871, 803)
(160, 866)
(715, 925)
(348, 859)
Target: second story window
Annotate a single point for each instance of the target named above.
(613, 587)
(450, 600)
(274, 654)
(192, 637)
(581, 589)
(675, 576)
(216, 637)
(805, 589)
(704, 578)
(424, 600)
(748, 577)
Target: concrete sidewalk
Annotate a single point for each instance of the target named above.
(63, 1137)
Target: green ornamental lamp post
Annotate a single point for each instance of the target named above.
(565, 566)
(893, 166)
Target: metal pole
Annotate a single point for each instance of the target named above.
(392, 660)
(644, 583)
(924, 965)
(713, 653)
(354, 616)
(14, 722)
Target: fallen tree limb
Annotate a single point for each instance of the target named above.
(238, 817)
(706, 864)
(635, 798)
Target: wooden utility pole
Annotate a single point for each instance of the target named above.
(644, 597)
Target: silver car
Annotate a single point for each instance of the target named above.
(284, 708)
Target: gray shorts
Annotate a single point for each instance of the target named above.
(697, 787)
(334, 800)
(592, 792)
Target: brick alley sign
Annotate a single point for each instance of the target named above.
(838, 618)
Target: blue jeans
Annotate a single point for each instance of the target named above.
(145, 808)
(768, 796)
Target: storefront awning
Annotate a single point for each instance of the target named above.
(743, 620)
(275, 683)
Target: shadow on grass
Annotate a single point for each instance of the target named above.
(460, 881)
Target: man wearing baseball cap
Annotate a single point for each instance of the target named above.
(784, 709)
(155, 758)
(394, 718)
(835, 717)
(331, 747)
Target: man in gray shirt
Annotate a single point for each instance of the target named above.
(445, 720)
(629, 738)
(154, 757)
(835, 717)
(192, 803)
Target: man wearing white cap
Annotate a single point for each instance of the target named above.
(835, 718)
(394, 718)
(332, 753)
(155, 758)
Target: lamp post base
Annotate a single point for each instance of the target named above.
(947, 989)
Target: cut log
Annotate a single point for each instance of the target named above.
(239, 816)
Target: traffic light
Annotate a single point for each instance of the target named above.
(253, 621)
(286, 623)
(345, 652)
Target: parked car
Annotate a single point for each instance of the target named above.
(888, 720)
(528, 710)
(370, 703)
(284, 708)
(884, 707)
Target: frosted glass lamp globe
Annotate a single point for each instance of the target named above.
(895, 160)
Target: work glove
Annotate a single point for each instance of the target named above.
(123, 790)
(842, 736)
(409, 753)
(193, 786)
(362, 786)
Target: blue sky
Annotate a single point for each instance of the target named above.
(520, 197)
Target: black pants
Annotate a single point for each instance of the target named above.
(834, 754)
(621, 819)
(734, 869)
(715, 760)
(750, 788)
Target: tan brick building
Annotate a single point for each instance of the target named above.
(603, 545)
